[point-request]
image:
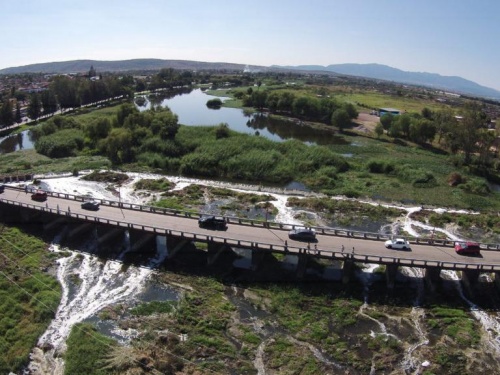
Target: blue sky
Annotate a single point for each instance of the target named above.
(448, 37)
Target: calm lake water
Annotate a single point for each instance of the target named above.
(20, 141)
(191, 109)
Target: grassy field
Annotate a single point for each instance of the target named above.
(373, 99)
(28, 296)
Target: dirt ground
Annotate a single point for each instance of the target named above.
(366, 122)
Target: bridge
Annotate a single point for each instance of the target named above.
(180, 228)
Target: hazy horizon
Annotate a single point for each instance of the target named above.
(447, 38)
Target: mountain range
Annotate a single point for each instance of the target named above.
(387, 73)
(373, 71)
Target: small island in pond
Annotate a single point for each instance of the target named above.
(214, 103)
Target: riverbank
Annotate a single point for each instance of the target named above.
(230, 320)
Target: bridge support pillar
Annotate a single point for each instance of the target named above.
(432, 276)
(257, 258)
(301, 265)
(214, 251)
(79, 228)
(391, 271)
(56, 223)
(140, 241)
(106, 234)
(347, 271)
(496, 279)
(174, 245)
(469, 280)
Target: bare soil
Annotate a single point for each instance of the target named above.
(366, 122)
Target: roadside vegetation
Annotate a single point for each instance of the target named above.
(424, 157)
(29, 296)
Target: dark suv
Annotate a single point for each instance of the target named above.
(90, 205)
(39, 196)
(302, 234)
(212, 222)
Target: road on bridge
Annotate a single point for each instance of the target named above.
(366, 247)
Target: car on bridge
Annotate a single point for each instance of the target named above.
(212, 222)
(302, 234)
(467, 248)
(39, 195)
(398, 244)
(90, 205)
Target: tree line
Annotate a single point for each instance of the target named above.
(326, 110)
(65, 92)
(468, 133)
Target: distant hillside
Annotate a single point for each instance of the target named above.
(374, 71)
(80, 66)
(387, 73)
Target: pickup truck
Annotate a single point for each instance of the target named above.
(212, 222)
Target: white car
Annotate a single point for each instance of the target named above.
(398, 244)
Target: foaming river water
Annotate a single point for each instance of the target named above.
(90, 284)
(100, 284)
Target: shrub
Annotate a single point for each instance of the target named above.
(455, 179)
(476, 187)
(381, 166)
(418, 177)
(214, 103)
(61, 144)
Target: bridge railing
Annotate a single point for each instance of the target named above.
(334, 254)
(328, 231)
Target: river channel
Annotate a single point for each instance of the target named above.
(192, 110)
(103, 284)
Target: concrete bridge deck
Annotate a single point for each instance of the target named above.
(259, 235)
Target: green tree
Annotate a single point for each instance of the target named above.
(118, 146)
(258, 99)
(444, 121)
(351, 110)
(272, 101)
(97, 129)
(379, 130)
(422, 130)
(341, 119)
(19, 118)
(467, 133)
(395, 131)
(427, 113)
(124, 111)
(6, 115)
(285, 103)
(386, 120)
(404, 122)
(66, 91)
(49, 101)
(34, 107)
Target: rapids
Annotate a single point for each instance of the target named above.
(102, 284)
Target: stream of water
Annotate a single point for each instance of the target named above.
(104, 283)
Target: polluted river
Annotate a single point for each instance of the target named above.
(408, 329)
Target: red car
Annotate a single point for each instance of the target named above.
(472, 248)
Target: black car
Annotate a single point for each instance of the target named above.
(302, 234)
(212, 222)
(2, 188)
(90, 205)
